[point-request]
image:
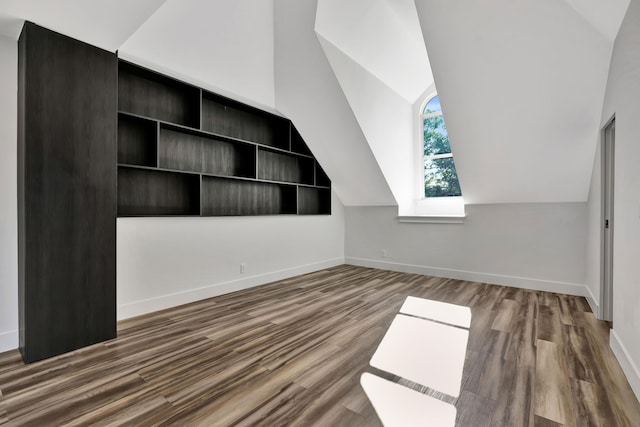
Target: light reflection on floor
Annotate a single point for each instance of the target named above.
(397, 405)
(425, 344)
(444, 312)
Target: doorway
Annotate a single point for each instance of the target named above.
(608, 164)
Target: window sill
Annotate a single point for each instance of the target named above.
(432, 219)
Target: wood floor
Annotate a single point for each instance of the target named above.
(292, 352)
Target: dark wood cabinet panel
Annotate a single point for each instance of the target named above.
(314, 201)
(196, 153)
(148, 94)
(143, 192)
(277, 166)
(322, 180)
(222, 196)
(297, 143)
(67, 193)
(137, 141)
(243, 122)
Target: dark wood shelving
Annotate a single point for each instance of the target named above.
(191, 152)
(226, 117)
(297, 143)
(137, 141)
(228, 197)
(314, 201)
(185, 151)
(149, 94)
(276, 166)
(209, 134)
(144, 192)
(322, 180)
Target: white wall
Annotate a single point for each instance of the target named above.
(163, 262)
(385, 118)
(377, 53)
(538, 246)
(225, 46)
(594, 206)
(103, 24)
(308, 93)
(8, 194)
(521, 85)
(383, 37)
(623, 98)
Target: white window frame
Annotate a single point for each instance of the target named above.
(439, 209)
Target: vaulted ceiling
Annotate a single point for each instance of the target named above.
(521, 86)
(521, 83)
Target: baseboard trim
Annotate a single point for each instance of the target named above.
(8, 340)
(495, 279)
(162, 302)
(595, 308)
(629, 368)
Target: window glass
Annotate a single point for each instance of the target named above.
(440, 176)
(436, 139)
(433, 106)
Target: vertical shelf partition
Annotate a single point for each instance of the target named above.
(187, 152)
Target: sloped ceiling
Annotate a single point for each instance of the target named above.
(383, 116)
(521, 83)
(382, 36)
(308, 92)
(521, 86)
(605, 16)
(376, 51)
(106, 24)
(225, 46)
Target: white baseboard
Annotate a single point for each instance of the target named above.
(8, 340)
(592, 302)
(629, 368)
(495, 279)
(138, 308)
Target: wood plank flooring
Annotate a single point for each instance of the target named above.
(292, 352)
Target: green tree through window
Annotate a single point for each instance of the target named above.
(440, 177)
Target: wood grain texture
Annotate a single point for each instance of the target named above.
(222, 196)
(188, 152)
(292, 352)
(66, 193)
(297, 143)
(553, 393)
(155, 192)
(137, 141)
(167, 127)
(149, 94)
(282, 167)
(322, 179)
(230, 118)
(314, 201)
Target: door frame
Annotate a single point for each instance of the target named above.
(606, 239)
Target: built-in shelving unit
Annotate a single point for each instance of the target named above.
(188, 152)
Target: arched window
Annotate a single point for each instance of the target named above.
(440, 176)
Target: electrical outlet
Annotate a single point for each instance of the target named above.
(243, 268)
(383, 253)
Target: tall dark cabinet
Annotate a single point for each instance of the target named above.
(67, 200)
